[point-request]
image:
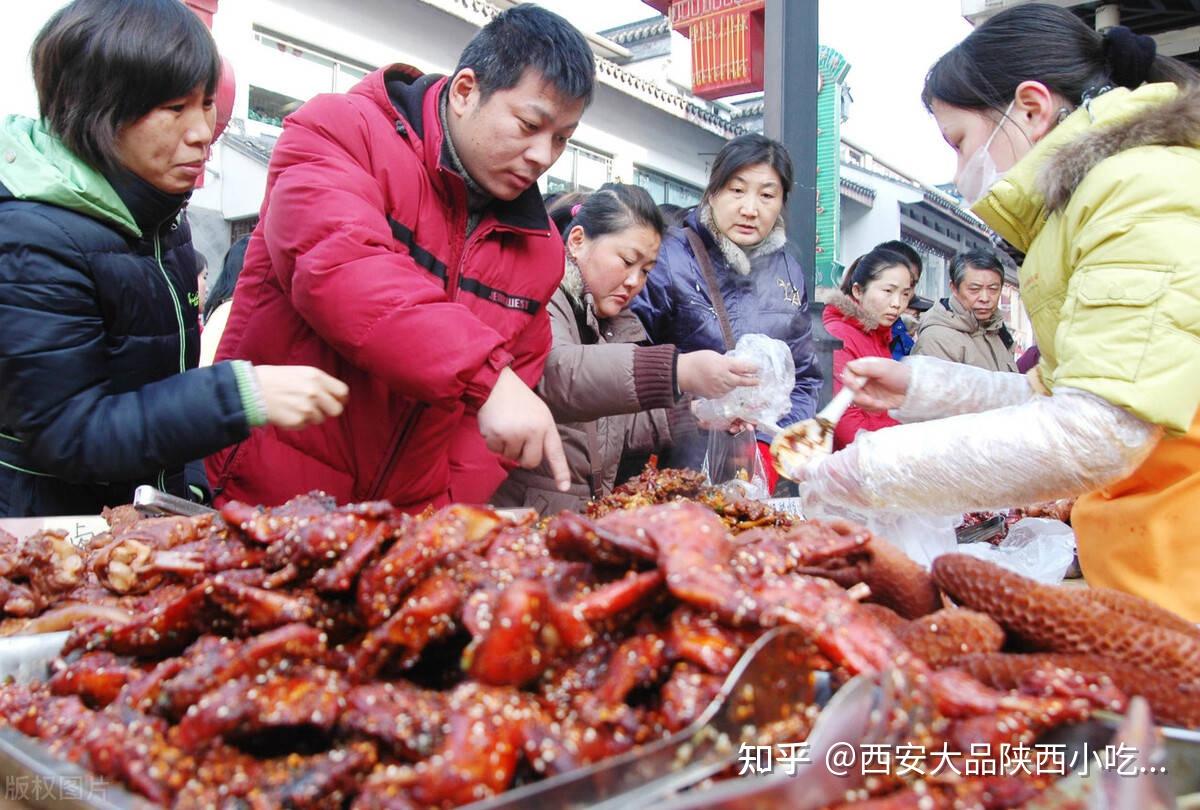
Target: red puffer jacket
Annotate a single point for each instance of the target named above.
(861, 337)
(361, 266)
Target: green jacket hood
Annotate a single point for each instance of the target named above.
(36, 166)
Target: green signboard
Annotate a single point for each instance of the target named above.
(832, 69)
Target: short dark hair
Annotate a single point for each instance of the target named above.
(749, 150)
(529, 36)
(978, 259)
(222, 289)
(610, 209)
(871, 265)
(100, 65)
(1036, 42)
(906, 250)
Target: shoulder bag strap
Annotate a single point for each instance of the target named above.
(714, 289)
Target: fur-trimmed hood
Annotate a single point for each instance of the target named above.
(572, 280)
(1174, 123)
(852, 310)
(1043, 182)
(624, 327)
(736, 256)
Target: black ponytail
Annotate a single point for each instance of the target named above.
(1047, 44)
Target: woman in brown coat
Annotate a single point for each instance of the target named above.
(608, 392)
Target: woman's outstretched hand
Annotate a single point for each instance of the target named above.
(878, 384)
(712, 375)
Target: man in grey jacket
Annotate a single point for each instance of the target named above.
(968, 327)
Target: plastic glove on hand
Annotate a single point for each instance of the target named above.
(879, 384)
(832, 483)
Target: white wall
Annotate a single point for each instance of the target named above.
(378, 32)
(638, 134)
(22, 21)
(382, 31)
(866, 229)
(673, 68)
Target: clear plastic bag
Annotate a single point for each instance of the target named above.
(923, 537)
(765, 403)
(1038, 548)
(733, 462)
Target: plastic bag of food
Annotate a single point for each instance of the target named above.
(733, 462)
(765, 403)
(1038, 548)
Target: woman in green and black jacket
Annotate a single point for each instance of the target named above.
(98, 303)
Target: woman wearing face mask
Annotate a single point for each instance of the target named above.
(609, 394)
(99, 334)
(1092, 171)
(875, 291)
(726, 273)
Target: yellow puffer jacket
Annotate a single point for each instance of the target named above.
(1107, 210)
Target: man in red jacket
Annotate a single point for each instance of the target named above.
(403, 248)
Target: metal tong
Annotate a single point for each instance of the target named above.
(151, 502)
(769, 683)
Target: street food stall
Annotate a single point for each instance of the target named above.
(674, 646)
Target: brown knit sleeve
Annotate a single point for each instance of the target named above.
(654, 376)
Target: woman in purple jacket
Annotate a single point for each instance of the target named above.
(755, 285)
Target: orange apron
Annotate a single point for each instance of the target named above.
(1142, 535)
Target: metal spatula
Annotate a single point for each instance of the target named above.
(768, 684)
(796, 445)
(856, 712)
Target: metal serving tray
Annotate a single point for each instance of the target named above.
(813, 786)
(35, 778)
(30, 775)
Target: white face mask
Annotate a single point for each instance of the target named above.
(980, 173)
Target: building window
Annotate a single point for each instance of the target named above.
(271, 108)
(241, 227)
(935, 268)
(935, 276)
(578, 169)
(664, 189)
(285, 74)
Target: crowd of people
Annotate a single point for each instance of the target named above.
(410, 320)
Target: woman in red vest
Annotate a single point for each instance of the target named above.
(875, 291)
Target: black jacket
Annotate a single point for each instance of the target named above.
(98, 318)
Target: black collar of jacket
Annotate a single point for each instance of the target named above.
(150, 207)
(406, 88)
